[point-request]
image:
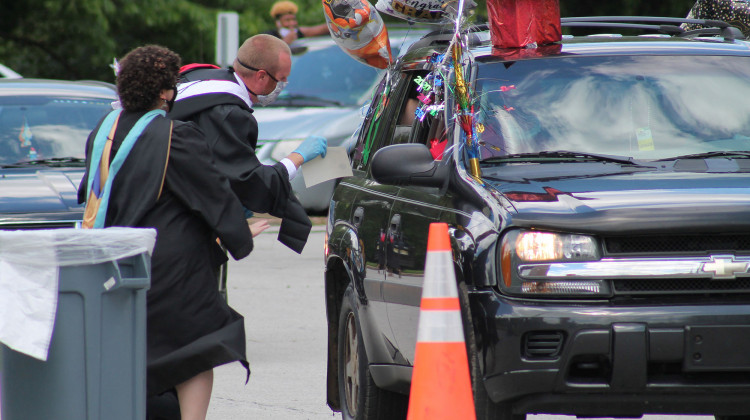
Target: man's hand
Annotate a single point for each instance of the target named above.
(312, 147)
(258, 227)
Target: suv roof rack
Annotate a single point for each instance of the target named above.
(665, 25)
(444, 35)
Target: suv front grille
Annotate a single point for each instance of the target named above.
(667, 244)
(679, 246)
(656, 286)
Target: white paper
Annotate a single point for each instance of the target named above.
(29, 304)
(334, 165)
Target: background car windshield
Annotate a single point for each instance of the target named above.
(329, 75)
(41, 127)
(648, 107)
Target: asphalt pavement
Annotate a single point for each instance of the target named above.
(281, 295)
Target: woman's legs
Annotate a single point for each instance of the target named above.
(195, 394)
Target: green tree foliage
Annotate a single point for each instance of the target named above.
(78, 39)
(55, 39)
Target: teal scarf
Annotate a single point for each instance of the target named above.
(120, 156)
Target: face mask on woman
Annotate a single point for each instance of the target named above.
(169, 103)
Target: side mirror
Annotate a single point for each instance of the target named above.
(408, 164)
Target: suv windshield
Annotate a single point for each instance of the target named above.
(46, 127)
(646, 107)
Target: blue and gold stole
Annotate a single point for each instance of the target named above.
(101, 171)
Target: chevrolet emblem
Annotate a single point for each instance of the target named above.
(724, 267)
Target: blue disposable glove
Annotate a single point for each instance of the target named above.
(312, 147)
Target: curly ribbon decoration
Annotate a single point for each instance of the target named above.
(466, 112)
(461, 95)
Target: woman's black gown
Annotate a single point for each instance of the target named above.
(190, 327)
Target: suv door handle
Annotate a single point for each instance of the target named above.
(359, 213)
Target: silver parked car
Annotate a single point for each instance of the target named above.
(43, 129)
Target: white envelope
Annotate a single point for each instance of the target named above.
(334, 165)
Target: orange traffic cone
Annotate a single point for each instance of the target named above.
(440, 383)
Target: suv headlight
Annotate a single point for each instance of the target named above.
(527, 256)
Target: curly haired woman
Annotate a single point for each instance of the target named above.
(144, 170)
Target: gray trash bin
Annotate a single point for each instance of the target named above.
(96, 365)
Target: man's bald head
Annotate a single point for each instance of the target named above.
(261, 51)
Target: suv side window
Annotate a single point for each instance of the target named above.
(431, 132)
(390, 118)
(382, 114)
(397, 120)
(362, 151)
(427, 128)
(407, 121)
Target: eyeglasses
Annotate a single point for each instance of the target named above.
(254, 69)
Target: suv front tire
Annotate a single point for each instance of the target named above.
(361, 399)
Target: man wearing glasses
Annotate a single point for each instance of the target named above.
(220, 101)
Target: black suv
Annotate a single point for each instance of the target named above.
(598, 200)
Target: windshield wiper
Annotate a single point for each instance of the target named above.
(715, 153)
(54, 162)
(557, 155)
(307, 100)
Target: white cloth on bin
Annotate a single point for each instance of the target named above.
(29, 268)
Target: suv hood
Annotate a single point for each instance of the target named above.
(38, 191)
(632, 202)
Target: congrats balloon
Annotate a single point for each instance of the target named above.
(425, 11)
(359, 30)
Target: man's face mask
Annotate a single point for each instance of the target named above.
(265, 100)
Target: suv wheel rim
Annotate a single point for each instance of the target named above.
(351, 365)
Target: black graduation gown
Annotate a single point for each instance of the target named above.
(190, 327)
(232, 135)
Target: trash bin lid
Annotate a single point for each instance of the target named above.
(66, 247)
